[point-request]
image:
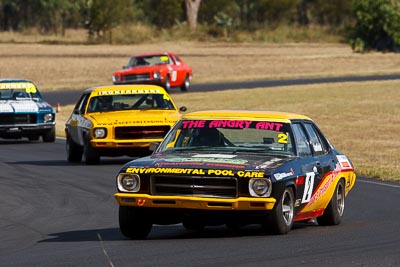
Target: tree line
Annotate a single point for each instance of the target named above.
(367, 24)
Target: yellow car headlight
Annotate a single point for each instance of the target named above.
(100, 133)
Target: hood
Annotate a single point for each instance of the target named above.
(11, 106)
(135, 117)
(206, 161)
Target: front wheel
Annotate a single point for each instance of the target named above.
(333, 214)
(133, 222)
(186, 84)
(49, 136)
(167, 84)
(90, 155)
(281, 218)
(74, 151)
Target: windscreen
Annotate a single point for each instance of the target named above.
(106, 103)
(18, 91)
(230, 135)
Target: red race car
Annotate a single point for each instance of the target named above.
(164, 69)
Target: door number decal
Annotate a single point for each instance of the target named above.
(308, 187)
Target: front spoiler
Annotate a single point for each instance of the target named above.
(198, 203)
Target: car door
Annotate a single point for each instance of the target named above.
(76, 123)
(178, 73)
(320, 149)
(308, 170)
(317, 162)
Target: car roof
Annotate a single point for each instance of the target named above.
(115, 88)
(244, 115)
(12, 80)
(153, 54)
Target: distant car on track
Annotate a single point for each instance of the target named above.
(236, 168)
(118, 120)
(24, 113)
(163, 69)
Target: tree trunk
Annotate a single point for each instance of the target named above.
(192, 9)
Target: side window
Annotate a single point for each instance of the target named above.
(81, 104)
(303, 148)
(177, 61)
(317, 142)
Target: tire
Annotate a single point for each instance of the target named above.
(90, 155)
(49, 136)
(280, 220)
(167, 84)
(74, 151)
(333, 214)
(133, 222)
(186, 84)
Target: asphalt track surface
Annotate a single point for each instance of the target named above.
(53, 213)
(66, 97)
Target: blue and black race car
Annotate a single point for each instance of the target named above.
(24, 113)
(236, 168)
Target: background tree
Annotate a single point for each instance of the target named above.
(53, 15)
(377, 25)
(162, 13)
(19, 14)
(101, 16)
(192, 10)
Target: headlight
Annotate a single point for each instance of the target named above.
(157, 75)
(116, 78)
(100, 132)
(128, 182)
(260, 187)
(48, 117)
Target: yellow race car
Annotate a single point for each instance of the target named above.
(118, 120)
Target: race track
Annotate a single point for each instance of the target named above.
(53, 213)
(66, 97)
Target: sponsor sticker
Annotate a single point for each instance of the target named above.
(233, 124)
(343, 161)
(193, 171)
(128, 92)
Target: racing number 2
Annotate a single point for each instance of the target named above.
(282, 138)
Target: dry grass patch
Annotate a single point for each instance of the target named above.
(360, 119)
(81, 66)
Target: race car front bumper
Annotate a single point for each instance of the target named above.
(197, 203)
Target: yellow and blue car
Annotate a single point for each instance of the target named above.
(24, 113)
(118, 120)
(225, 167)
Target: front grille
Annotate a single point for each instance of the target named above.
(141, 132)
(135, 77)
(218, 187)
(6, 119)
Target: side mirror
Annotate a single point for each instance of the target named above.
(183, 109)
(77, 111)
(153, 146)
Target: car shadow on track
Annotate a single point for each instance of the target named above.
(160, 232)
